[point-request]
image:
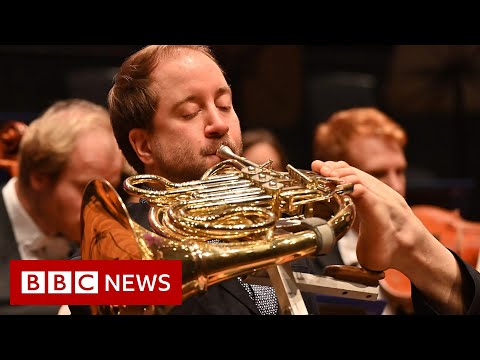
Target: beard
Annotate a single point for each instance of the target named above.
(180, 162)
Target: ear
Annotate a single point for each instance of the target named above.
(139, 139)
(39, 181)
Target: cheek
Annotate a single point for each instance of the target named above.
(235, 132)
(403, 185)
(277, 164)
(68, 201)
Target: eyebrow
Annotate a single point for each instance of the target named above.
(223, 90)
(192, 98)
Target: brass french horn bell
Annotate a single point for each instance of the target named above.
(240, 217)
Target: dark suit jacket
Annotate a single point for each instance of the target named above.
(472, 277)
(9, 251)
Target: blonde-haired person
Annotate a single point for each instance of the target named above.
(372, 141)
(71, 143)
(261, 145)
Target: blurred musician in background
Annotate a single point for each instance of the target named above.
(70, 144)
(391, 237)
(371, 141)
(261, 145)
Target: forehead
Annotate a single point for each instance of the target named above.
(95, 152)
(369, 152)
(187, 70)
(262, 148)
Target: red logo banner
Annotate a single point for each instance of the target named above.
(96, 282)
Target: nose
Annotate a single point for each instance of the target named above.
(397, 182)
(216, 125)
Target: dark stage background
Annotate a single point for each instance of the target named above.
(432, 90)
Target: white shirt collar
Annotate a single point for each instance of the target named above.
(347, 247)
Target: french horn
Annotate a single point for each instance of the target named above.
(239, 218)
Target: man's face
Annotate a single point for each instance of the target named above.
(194, 117)
(95, 155)
(380, 157)
(261, 152)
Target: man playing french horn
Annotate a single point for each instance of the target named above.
(171, 110)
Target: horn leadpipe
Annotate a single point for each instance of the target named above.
(225, 153)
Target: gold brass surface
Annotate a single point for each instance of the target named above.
(239, 218)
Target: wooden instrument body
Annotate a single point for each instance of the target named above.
(11, 133)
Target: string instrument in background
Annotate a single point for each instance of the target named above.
(11, 133)
(456, 233)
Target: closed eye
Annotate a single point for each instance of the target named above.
(190, 116)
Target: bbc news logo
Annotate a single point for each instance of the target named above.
(95, 282)
(60, 282)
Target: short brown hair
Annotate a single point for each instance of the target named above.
(133, 99)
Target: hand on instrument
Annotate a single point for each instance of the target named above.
(388, 227)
